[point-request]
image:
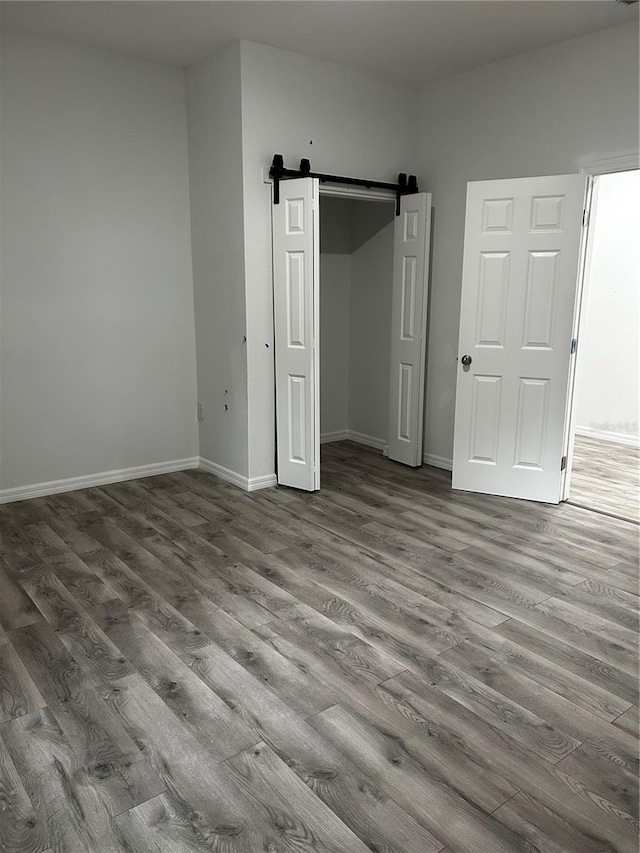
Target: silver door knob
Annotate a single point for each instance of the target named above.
(466, 360)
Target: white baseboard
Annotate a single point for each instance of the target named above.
(247, 484)
(367, 440)
(617, 437)
(338, 435)
(438, 461)
(89, 481)
(352, 435)
(381, 444)
(267, 481)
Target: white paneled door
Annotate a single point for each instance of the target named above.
(409, 328)
(522, 252)
(296, 274)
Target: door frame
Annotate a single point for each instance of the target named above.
(345, 190)
(593, 169)
(357, 193)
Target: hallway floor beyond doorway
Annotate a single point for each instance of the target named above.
(606, 477)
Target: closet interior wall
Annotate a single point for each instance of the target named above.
(356, 269)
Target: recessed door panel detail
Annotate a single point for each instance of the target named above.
(547, 213)
(493, 289)
(297, 419)
(294, 216)
(497, 215)
(485, 419)
(408, 305)
(411, 225)
(542, 281)
(533, 402)
(411, 231)
(296, 241)
(405, 387)
(295, 299)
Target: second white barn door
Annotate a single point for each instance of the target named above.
(520, 276)
(409, 328)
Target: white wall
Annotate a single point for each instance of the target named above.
(358, 123)
(370, 338)
(535, 114)
(607, 380)
(215, 166)
(335, 297)
(97, 338)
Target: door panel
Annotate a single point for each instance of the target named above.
(519, 283)
(296, 320)
(408, 324)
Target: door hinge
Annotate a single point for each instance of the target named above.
(574, 345)
(563, 463)
(585, 218)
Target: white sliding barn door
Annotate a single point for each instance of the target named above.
(296, 317)
(409, 328)
(519, 282)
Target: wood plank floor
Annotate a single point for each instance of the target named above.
(606, 477)
(383, 666)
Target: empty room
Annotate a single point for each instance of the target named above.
(319, 460)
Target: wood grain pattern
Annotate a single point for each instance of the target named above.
(69, 813)
(629, 721)
(16, 608)
(108, 759)
(18, 694)
(605, 477)
(388, 760)
(386, 665)
(356, 798)
(610, 779)
(615, 746)
(161, 824)
(201, 710)
(227, 810)
(524, 769)
(20, 830)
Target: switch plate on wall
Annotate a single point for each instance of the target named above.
(200, 411)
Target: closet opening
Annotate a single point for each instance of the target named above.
(343, 253)
(356, 275)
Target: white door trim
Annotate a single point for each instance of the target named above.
(607, 165)
(583, 267)
(346, 191)
(361, 193)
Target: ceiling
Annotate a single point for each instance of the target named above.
(417, 41)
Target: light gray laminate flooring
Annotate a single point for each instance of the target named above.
(606, 477)
(385, 665)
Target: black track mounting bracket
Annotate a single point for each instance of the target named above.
(278, 172)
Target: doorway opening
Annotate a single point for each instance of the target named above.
(356, 273)
(604, 460)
